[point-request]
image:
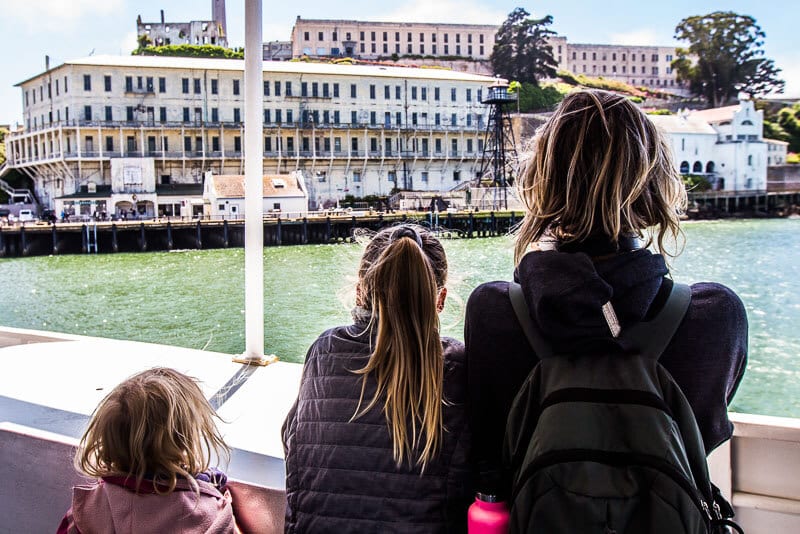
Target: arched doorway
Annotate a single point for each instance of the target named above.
(123, 210)
(709, 167)
(684, 167)
(697, 168)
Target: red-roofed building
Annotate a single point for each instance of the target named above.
(283, 194)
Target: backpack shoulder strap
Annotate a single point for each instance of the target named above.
(652, 337)
(540, 346)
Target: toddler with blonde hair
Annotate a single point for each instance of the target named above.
(150, 444)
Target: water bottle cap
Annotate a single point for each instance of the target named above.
(487, 497)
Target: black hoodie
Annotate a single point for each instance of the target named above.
(565, 293)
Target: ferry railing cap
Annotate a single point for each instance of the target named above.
(262, 360)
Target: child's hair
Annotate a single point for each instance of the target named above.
(154, 425)
(400, 276)
(599, 167)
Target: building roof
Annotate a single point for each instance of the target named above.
(175, 190)
(271, 67)
(714, 115)
(488, 27)
(775, 141)
(275, 185)
(682, 124)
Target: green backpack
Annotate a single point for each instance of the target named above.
(607, 443)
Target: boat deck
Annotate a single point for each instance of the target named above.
(52, 382)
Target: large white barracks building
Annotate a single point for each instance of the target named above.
(113, 133)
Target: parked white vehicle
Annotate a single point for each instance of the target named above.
(26, 215)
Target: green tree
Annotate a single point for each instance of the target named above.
(729, 57)
(521, 51)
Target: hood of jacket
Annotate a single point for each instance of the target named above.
(566, 291)
(110, 508)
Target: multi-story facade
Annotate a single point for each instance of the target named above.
(373, 40)
(724, 144)
(648, 66)
(119, 129)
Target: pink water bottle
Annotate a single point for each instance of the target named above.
(487, 515)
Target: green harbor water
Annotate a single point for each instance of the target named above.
(196, 298)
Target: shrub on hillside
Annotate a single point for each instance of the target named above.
(187, 50)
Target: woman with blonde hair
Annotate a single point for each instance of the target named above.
(599, 187)
(150, 444)
(377, 439)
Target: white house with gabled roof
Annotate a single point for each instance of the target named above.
(284, 195)
(724, 144)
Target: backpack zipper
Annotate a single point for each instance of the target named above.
(615, 459)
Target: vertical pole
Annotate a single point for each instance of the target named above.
(55, 240)
(23, 240)
(253, 172)
(114, 242)
(169, 235)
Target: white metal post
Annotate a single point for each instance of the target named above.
(253, 172)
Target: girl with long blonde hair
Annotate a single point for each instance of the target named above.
(377, 439)
(150, 443)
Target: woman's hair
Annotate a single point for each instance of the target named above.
(599, 167)
(154, 425)
(400, 276)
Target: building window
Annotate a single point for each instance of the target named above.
(267, 116)
(306, 36)
(287, 86)
(353, 90)
(266, 88)
(214, 115)
(354, 117)
(387, 92)
(356, 176)
(456, 176)
(87, 113)
(185, 114)
(109, 143)
(108, 113)
(107, 82)
(128, 114)
(303, 88)
(162, 114)
(372, 92)
(453, 94)
(162, 85)
(277, 87)
(354, 144)
(197, 86)
(237, 115)
(185, 85)
(413, 93)
(87, 82)
(237, 144)
(336, 90)
(235, 87)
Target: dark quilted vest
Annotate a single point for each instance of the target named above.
(341, 476)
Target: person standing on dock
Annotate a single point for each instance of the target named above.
(377, 440)
(599, 187)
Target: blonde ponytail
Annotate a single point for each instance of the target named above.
(401, 274)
